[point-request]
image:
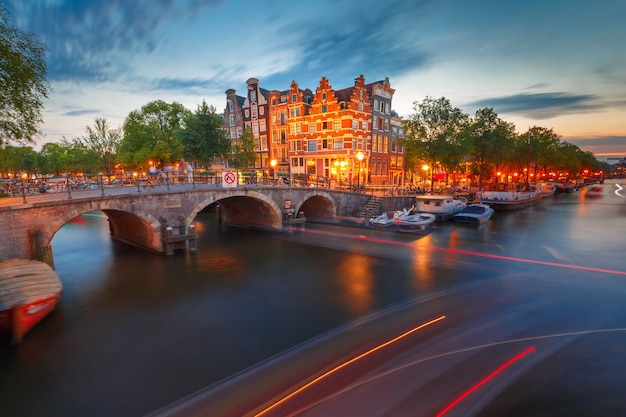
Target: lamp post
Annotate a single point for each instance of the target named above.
(359, 157)
(273, 164)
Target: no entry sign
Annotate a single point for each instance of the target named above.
(229, 179)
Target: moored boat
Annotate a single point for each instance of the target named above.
(29, 291)
(387, 218)
(502, 196)
(442, 206)
(475, 213)
(546, 189)
(413, 221)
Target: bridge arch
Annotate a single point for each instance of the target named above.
(317, 204)
(245, 208)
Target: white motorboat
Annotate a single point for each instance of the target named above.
(414, 221)
(475, 213)
(442, 206)
(387, 218)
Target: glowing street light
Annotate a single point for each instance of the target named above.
(359, 157)
(273, 164)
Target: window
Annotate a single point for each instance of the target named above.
(399, 162)
(297, 111)
(253, 96)
(324, 143)
(294, 98)
(232, 120)
(337, 125)
(364, 123)
(324, 108)
(375, 103)
(323, 96)
(264, 142)
(312, 128)
(355, 124)
(283, 136)
(360, 106)
(312, 146)
(324, 125)
(255, 115)
(274, 136)
(382, 106)
(233, 133)
(385, 144)
(255, 128)
(375, 121)
(292, 112)
(262, 126)
(338, 144)
(230, 106)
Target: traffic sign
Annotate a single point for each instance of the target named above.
(229, 179)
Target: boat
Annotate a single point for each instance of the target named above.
(503, 196)
(546, 189)
(29, 291)
(474, 213)
(442, 206)
(413, 221)
(592, 191)
(387, 218)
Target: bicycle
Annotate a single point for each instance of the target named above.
(161, 182)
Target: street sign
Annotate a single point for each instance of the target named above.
(229, 179)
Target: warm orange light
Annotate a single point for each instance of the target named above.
(360, 156)
(273, 163)
(426, 167)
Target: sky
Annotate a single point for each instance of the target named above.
(558, 64)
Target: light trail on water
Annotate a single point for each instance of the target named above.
(468, 253)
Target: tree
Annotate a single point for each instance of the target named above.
(492, 143)
(203, 137)
(151, 134)
(103, 142)
(433, 133)
(19, 158)
(243, 151)
(23, 85)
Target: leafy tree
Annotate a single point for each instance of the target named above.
(23, 85)
(243, 155)
(103, 142)
(492, 143)
(19, 158)
(150, 134)
(203, 137)
(433, 132)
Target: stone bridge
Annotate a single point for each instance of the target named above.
(163, 221)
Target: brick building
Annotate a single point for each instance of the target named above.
(344, 136)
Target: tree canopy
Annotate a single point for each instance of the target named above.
(243, 151)
(23, 84)
(151, 134)
(204, 138)
(103, 142)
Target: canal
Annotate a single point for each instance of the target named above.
(135, 331)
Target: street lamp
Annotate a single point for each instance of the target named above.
(273, 164)
(359, 157)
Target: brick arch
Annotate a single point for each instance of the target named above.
(273, 209)
(125, 222)
(317, 204)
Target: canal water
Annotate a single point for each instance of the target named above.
(135, 331)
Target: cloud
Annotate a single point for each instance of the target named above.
(81, 112)
(87, 40)
(542, 105)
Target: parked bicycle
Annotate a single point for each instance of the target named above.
(161, 182)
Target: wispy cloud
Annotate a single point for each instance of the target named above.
(543, 105)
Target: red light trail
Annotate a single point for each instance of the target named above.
(485, 380)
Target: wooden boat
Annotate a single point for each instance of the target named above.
(413, 221)
(29, 290)
(475, 213)
(502, 196)
(442, 206)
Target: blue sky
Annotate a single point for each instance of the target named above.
(558, 64)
